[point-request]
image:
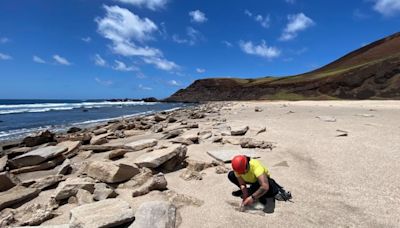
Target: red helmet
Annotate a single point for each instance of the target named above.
(239, 164)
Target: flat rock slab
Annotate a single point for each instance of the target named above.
(327, 118)
(227, 155)
(156, 158)
(71, 145)
(70, 188)
(38, 156)
(105, 213)
(155, 214)
(3, 163)
(141, 144)
(47, 226)
(16, 195)
(111, 172)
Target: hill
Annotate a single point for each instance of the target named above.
(371, 72)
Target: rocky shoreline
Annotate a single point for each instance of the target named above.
(72, 174)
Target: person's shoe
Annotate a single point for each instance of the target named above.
(237, 193)
(283, 196)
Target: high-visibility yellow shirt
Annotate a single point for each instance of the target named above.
(256, 170)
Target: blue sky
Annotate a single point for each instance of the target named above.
(82, 49)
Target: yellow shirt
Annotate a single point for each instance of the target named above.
(256, 170)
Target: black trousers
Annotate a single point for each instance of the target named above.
(272, 191)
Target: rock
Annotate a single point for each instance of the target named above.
(205, 135)
(3, 163)
(100, 131)
(118, 153)
(216, 139)
(252, 143)
(74, 130)
(141, 144)
(100, 139)
(198, 165)
(283, 163)
(180, 200)
(138, 180)
(70, 188)
(43, 166)
(159, 118)
(261, 130)
(111, 172)
(221, 169)
(155, 214)
(102, 191)
(157, 158)
(172, 134)
(342, 133)
(231, 140)
(65, 168)
(157, 128)
(33, 214)
(258, 109)
(14, 152)
(100, 148)
(7, 181)
(182, 141)
(227, 155)
(157, 182)
(16, 195)
(192, 125)
(39, 139)
(238, 131)
(46, 182)
(191, 175)
(84, 197)
(365, 115)
(108, 213)
(175, 163)
(171, 119)
(72, 147)
(37, 156)
(327, 118)
(197, 115)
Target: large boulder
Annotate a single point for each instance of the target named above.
(70, 188)
(111, 172)
(105, 213)
(16, 195)
(155, 214)
(156, 158)
(39, 139)
(37, 156)
(141, 144)
(7, 181)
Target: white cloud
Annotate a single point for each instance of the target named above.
(151, 4)
(260, 50)
(99, 61)
(5, 56)
(227, 43)
(121, 66)
(173, 83)
(200, 70)
(193, 36)
(86, 39)
(264, 21)
(198, 16)
(4, 40)
(296, 23)
(61, 60)
(387, 7)
(104, 82)
(161, 63)
(142, 87)
(37, 59)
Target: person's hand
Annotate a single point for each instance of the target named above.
(248, 201)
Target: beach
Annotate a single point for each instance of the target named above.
(339, 159)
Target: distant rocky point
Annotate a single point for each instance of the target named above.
(147, 99)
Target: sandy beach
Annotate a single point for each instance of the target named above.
(340, 160)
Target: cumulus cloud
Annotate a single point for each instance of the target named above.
(142, 87)
(161, 63)
(260, 50)
(150, 4)
(104, 82)
(37, 59)
(99, 61)
(198, 16)
(4, 40)
(86, 39)
(121, 66)
(200, 70)
(61, 60)
(128, 34)
(5, 56)
(263, 20)
(296, 23)
(387, 7)
(173, 83)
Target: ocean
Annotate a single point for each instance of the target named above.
(19, 118)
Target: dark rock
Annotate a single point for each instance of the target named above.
(74, 130)
(7, 181)
(172, 134)
(41, 138)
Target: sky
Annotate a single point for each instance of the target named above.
(99, 49)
